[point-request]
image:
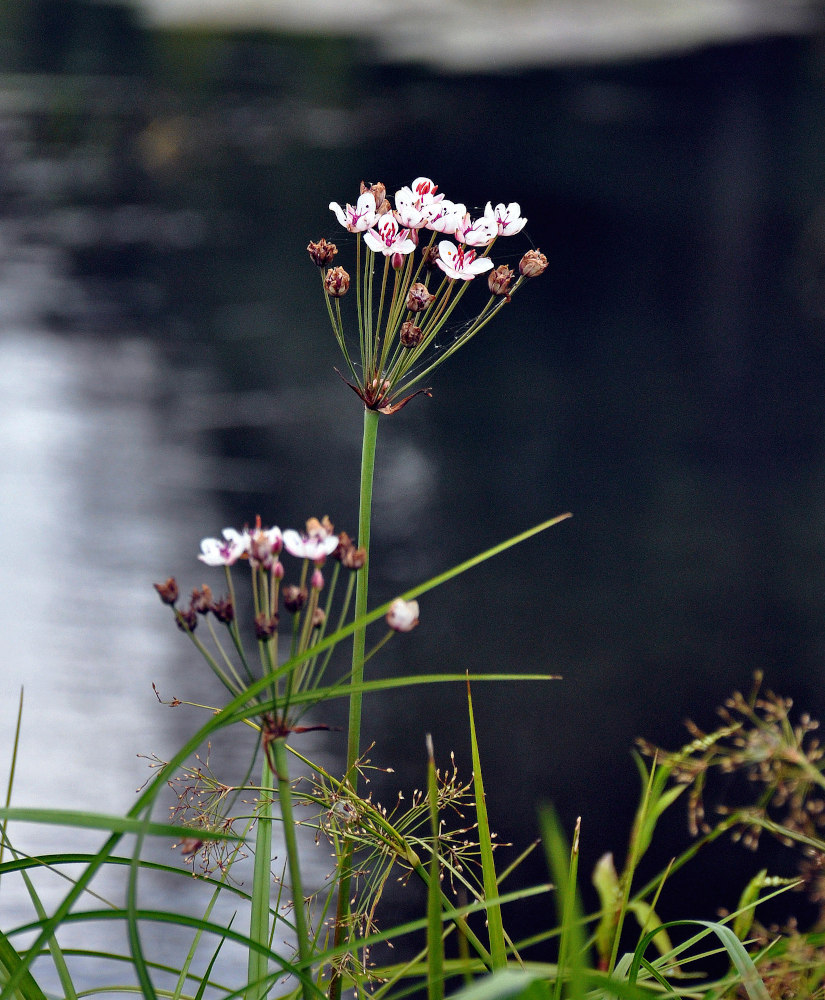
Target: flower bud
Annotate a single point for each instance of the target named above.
(500, 279)
(336, 282)
(397, 261)
(168, 592)
(403, 615)
(322, 252)
(317, 581)
(532, 264)
(410, 334)
(318, 617)
(419, 298)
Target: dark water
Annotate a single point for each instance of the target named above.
(169, 370)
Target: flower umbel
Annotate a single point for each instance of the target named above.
(404, 305)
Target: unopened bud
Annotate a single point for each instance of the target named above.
(322, 252)
(532, 264)
(318, 617)
(336, 282)
(500, 279)
(317, 580)
(403, 615)
(410, 334)
(419, 298)
(168, 592)
(397, 261)
(294, 598)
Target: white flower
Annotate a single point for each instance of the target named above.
(507, 218)
(264, 545)
(215, 552)
(425, 191)
(476, 232)
(359, 218)
(444, 216)
(316, 546)
(403, 615)
(458, 262)
(408, 209)
(388, 239)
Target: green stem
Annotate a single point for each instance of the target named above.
(359, 638)
(361, 589)
(259, 919)
(294, 862)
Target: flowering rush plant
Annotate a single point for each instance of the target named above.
(414, 263)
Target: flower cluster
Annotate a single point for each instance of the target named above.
(404, 307)
(261, 548)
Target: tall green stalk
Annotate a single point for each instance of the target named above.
(257, 965)
(358, 649)
(361, 589)
(294, 863)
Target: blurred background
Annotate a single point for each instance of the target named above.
(166, 369)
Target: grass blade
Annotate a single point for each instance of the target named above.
(498, 951)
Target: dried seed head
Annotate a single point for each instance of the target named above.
(500, 279)
(187, 621)
(322, 252)
(224, 610)
(294, 598)
(419, 298)
(532, 264)
(429, 257)
(168, 592)
(336, 282)
(265, 626)
(347, 554)
(410, 334)
(379, 192)
(201, 601)
(318, 617)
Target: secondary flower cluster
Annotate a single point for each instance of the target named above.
(398, 324)
(261, 548)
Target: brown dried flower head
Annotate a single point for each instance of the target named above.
(419, 298)
(265, 625)
(500, 279)
(532, 264)
(201, 601)
(347, 554)
(379, 192)
(336, 282)
(410, 334)
(224, 610)
(294, 598)
(168, 592)
(322, 252)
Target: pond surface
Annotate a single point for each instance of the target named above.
(166, 369)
